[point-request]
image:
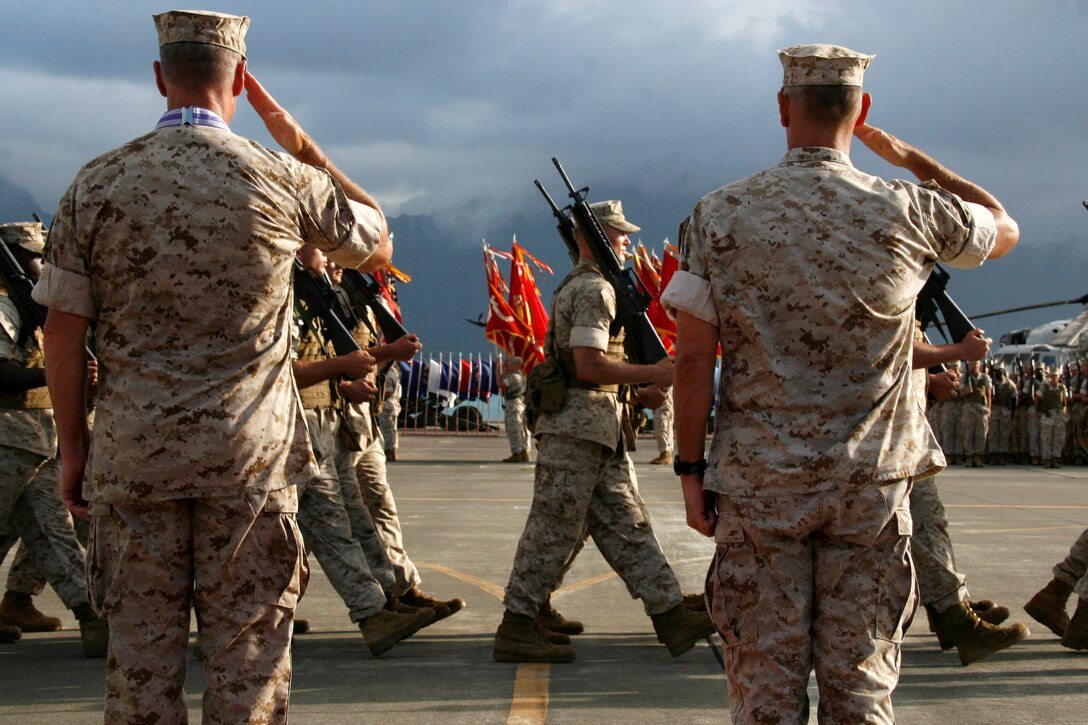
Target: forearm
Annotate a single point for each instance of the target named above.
(693, 393)
(15, 379)
(604, 370)
(311, 372)
(66, 373)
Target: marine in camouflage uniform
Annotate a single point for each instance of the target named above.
(390, 412)
(952, 429)
(584, 477)
(1048, 606)
(513, 395)
(1004, 403)
(1077, 397)
(975, 391)
(806, 274)
(180, 244)
(1031, 390)
(1050, 399)
(30, 504)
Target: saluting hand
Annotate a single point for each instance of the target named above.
(284, 129)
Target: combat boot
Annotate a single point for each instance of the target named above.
(663, 459)
(975, 639)
(521, 639)
(556, 622)
(680, 628)
(9, 634)
(523, 457)
(1076, 633)
(94, 631)
(985, 609)
(18, 610)
(1047, 607)
(391, 454)
(443, 608)
(695, 601)
(386, 628)
(512, 458)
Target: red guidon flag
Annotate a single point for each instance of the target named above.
(525, 299)
(503, 327)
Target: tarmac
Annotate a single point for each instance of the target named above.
(462, 512)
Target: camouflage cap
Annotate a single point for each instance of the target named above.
(199, 26)
(823, 65)
(611, 213)
(28, 235)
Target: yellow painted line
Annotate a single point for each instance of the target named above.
(1041, 507)
(493, 589)
(529, 705)
(593, 580)
(1037, 529)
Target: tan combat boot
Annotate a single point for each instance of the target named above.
(553, 621)
(663, 459)
(1076, 633)
(985, 609)
(94, 632)
(386, 628)
(975, 639)
(18, 610)
(1047, 607)
(521, 639)
(443, 608)
(680, 628)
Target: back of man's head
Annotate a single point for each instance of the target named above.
(200, 50)
(824, 82)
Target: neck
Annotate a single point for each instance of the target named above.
(838, 138)
(211, 101)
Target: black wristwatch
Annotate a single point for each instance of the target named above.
(688, 468)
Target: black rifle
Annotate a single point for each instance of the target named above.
(565, 227)
(934, 297)
(364, 290)
(320, 299)
(20, 285)
(632, 301)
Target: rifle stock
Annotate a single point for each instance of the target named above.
(365, 291)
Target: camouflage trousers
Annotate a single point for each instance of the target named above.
(582, 485)
(516, 431)
(951, 431)
(1034, 437)
(387, 422)
(974, 425)
(818, 580)
(31, 510)
(935, 416)
(939, 584)
(25, 577)
(326, 526)
(1051, 435)
(1000, 431)
(239, 562)
(663, 425)
(377, 498)
(1074, 569)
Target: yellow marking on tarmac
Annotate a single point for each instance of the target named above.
(1070, 527)
(493, 589)
(592, 581)
(1011, 506)
(529, 705)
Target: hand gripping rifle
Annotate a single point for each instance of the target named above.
(364, 290)
(631, 299)
(934, 297)
(320, 299)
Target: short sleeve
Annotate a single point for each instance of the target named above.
(347, 231)
(689, 289)
(963, 233)
(65, 283)
(593, 309)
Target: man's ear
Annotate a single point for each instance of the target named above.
(239, 79)
(158, 78)
(783, 109)
(866, 103)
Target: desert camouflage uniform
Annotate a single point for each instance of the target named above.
(584, 477)
(387, 419)
(816, 308)
(1033, 426)
(331, 533)
(372, 483)
(1051, 416)
(952, 431)
(30, 504)
(1074, 568)
(181, 245)
(663, 425)
(1076, 416)
(975, 415)
(1004, 402)
(516, 431)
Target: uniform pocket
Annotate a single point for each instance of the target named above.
(101, 562)
(896, 599)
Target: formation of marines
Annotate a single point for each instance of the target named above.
(267, 444)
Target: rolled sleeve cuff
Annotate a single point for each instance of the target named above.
(691, 294)
(589, 337)
(60, 289)
(980, 241)
(365, 237)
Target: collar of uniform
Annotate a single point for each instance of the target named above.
(191, 116)
(808, 154)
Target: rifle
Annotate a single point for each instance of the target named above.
(321, 302)
(365, 291)
(565, 227)
(631, 299)
(934, 297)
(20, 285)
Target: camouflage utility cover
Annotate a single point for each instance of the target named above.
(181, 244)
(810, 271)
(582, 312)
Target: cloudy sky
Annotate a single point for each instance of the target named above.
(433, 104)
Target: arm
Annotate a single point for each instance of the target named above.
(899, 153)
(943, 386)
(973, 347)
(311, 372)
(66, 371)
(594, 366)
(290, 135)
(697, 345)
(402, 349)
(15, 379)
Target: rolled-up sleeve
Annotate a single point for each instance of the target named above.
(980, 240)
(347, 231)
(66, 291)
(65, 284)
(963, 233)
(691, 294)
